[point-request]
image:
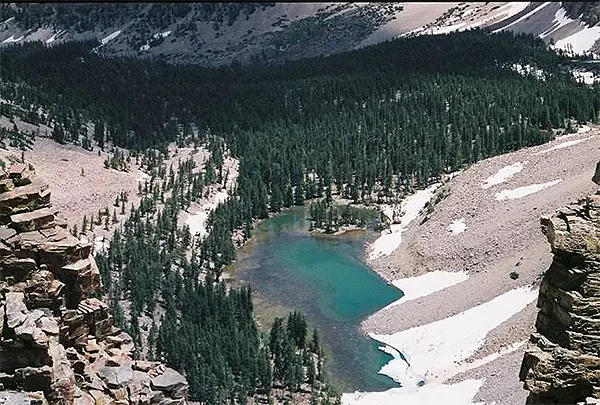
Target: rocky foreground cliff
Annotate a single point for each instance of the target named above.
(563, 364)
(58, 343)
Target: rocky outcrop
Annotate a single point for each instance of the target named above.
(58, 344)
(562, 366)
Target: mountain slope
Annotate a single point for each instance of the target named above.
(214, 34)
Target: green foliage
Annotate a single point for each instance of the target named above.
(373, 122)
(329, 217)
(208, 331)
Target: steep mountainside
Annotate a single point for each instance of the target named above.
(207, 33)
(562, 366)
(223, 33)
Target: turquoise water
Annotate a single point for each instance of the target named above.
(326, 278)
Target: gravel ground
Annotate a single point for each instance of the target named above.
(501, 237)
(74, 194)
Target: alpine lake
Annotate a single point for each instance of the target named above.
(289, 268)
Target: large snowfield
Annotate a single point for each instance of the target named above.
(425, 356)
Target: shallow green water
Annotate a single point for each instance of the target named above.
(326, 278)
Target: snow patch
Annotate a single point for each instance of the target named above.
(563, 145)
(560, 20)
(197, 222)
(461, 393)
(439, 350)
(101, 244)
(529, 70)
(409, 207)
(457, 226)
(161, 35)
(196, 219)
(583, 129)
(428, 283)
(12, 39)
(523, 191)
(110, 37)
(585, 76)
(503, 174)
(581, 41)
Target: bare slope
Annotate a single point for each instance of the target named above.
(223, 33)
(501, 236)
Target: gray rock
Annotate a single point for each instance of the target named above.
(6, 233)
(49, 326)
(172, 382)
(116, 377)
(22, 398)
(31, 221)
(16, 311)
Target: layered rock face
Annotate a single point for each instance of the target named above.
(563, 366)
(58, 344)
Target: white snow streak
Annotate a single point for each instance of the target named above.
(410, 206)
(560, 20)
(110, 37)
(503, 174)
(428, 283)
(12, 39)
(523, 191)
(51, 39)
(563, 145)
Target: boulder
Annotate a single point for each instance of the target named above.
(171, 382)
(34, 220)
(27, 198)
(49, 325)
(20, 174)
(16, 311)
(144, 366)
(60, 249)
(6, 233)
(116, 377)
